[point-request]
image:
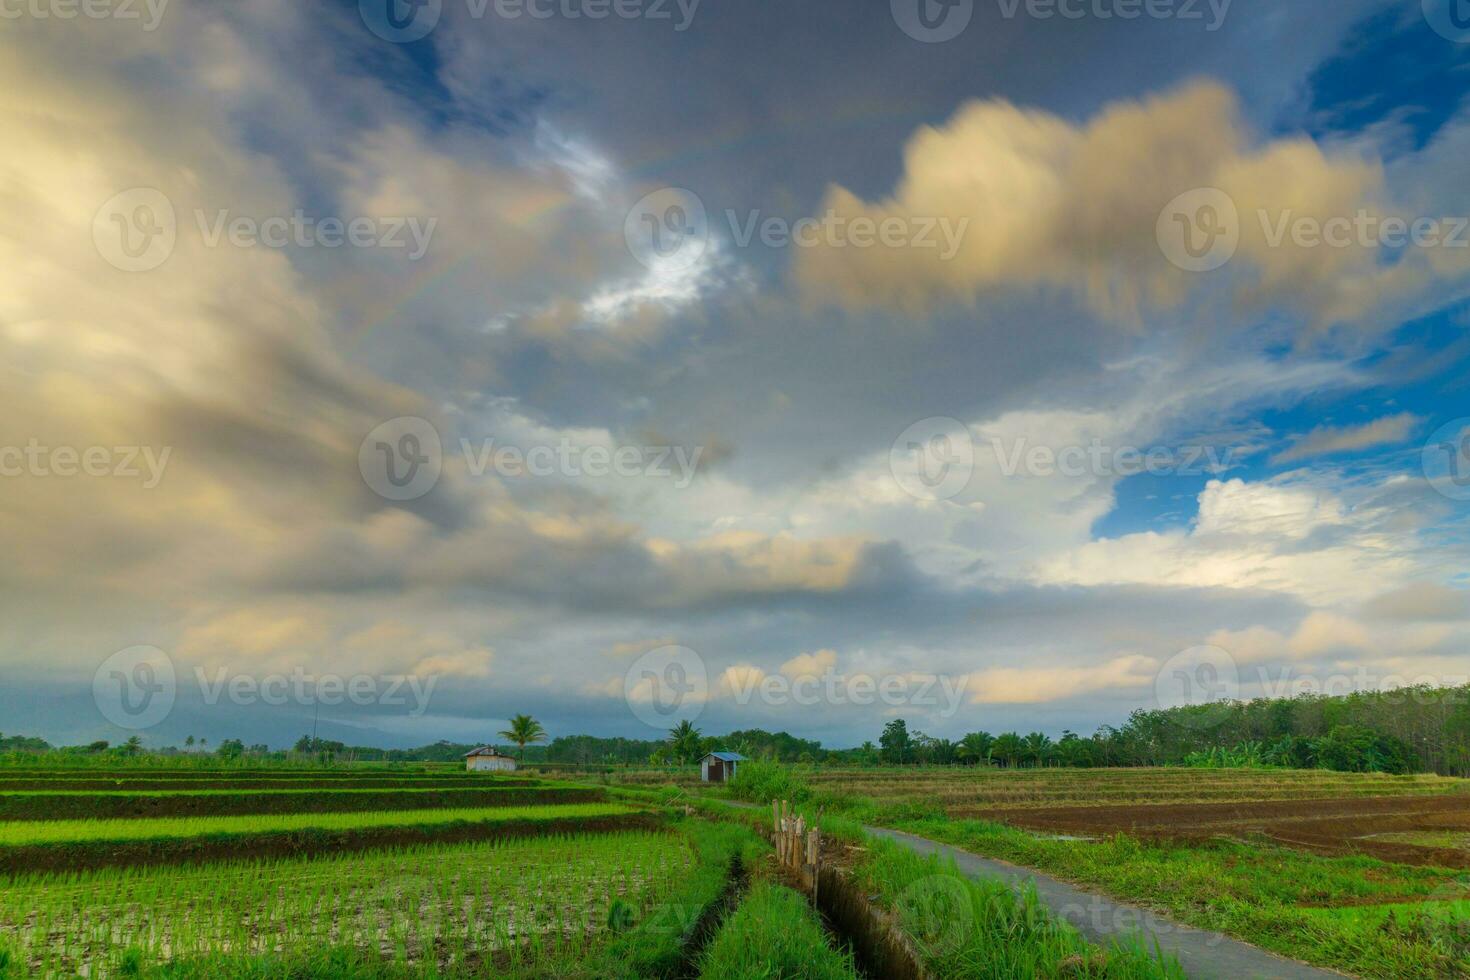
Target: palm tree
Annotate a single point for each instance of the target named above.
(975, 747)
(685, 742)
(523, 730)
(1038, 748)
(1008, 748)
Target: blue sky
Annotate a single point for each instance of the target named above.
(386, 460)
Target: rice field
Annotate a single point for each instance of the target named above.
(125, 803)
(20, 833)
(964, 791)
(439, 906)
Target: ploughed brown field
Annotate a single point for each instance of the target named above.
(1324, 826)
(1420, 819)
(1423, 819)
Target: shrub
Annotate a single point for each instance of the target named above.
(758, 781)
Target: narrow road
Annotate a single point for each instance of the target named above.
(1202, 954)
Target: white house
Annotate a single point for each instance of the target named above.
(487, 758)
(719, 766)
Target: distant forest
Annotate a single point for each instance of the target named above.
(1409, 730)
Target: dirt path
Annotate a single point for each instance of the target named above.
(1202, 954)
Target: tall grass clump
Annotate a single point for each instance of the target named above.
(965, 927)
(761, 781)
(774, 933)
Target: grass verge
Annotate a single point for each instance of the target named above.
(1300, 905)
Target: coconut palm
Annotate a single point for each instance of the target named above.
(523, 730)
(685, 742)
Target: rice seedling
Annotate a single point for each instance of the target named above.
(436, 907)
(76, 831)
(108, 804)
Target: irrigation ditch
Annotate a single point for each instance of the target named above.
(814, 866)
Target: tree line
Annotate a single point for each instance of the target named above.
(1419, 729)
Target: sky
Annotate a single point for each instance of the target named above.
(384, 369)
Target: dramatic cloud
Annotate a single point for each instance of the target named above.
(1048, 204)
(180, 446)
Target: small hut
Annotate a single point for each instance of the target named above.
(718, 767)
(487, 758)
